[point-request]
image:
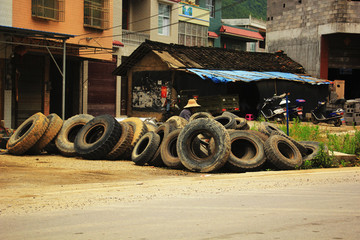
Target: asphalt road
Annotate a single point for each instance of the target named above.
(316, 204)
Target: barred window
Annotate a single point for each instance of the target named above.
(210, 4)
(48, 9)
(192, 34)
(96, 13)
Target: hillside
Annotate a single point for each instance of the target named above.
(255, 8)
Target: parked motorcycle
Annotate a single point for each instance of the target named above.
(320, 114)
(274, 108)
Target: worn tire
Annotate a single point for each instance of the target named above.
(227, 120)
(177, 122)
(200, 115)
(123, 143)
(282, 153)
(218, 156)
(139, 129)
(247, 151)
(268, 128)
(145, 148)
(27, 134)
(163, 131)
(241, 123)
(168, 150)
(55, 124)
(300, 146)
(97, 137)
(66, 137)
(312, 149)
(261, 135)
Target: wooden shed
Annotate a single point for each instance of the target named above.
(157, 74)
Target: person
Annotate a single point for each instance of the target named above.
(189, 109)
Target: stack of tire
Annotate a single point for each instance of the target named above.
(202, 144)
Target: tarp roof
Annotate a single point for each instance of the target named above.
(224, 76)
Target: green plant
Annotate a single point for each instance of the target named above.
(302, 132)
(345, 143)
(323, 159)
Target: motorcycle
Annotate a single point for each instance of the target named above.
(320, 114)
(274, 108)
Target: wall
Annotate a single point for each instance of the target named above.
(297, 27)
(150, 62)
(174, 18)
(6, 12)
(73, 24)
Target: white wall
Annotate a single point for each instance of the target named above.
(6, 13)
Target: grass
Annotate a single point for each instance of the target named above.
(345, 143)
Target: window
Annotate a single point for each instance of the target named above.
(164, 19)
(210, 4)
(48, 9)
(96, 13)
(192, 34)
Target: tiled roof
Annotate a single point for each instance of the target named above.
(241, 32)
(212, 34)
(212, 58)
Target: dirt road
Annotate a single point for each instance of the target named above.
(42, 195)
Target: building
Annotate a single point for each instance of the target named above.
(252, 42)
(36, 39)
(323, 36)
(160, 73)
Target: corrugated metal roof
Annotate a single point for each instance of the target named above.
(221, 76)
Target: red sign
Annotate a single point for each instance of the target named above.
(163, 91)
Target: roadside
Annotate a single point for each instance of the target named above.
(32, 184)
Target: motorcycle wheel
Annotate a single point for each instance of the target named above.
(337, 123)
(313, 120)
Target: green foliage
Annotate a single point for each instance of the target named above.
(321, 160)
(345, 143)
(301, 132)
(255, 8)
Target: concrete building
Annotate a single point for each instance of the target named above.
(250, 44)
(323, 36)
(56, 57)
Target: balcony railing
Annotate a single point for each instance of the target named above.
(133, 38)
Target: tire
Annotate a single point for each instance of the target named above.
(145, 148)
(98, 137)
(337, 122)
(27, 134)
(217, 157)
(177, 121)
(301, 147)
(139, 129)
(247, 151)
(313, 120)
(123, 143)
(168, 150)
(55, 124)
(227, 121)
(51, 148)
(66, 137)
(241, 123)
(150, 127)
(312, 149)
(267, 128)
(261, 135)
(200, 115)
(163, 131)
(282, 153)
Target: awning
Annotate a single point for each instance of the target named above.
(212, 34)
(223, 76)
(241, 33)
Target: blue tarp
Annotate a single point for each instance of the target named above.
(223, 76)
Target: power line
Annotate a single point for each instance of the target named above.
(120, 25)
(201, 15)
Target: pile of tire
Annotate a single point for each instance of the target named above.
(202, 144)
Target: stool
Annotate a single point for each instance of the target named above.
(249, 117)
